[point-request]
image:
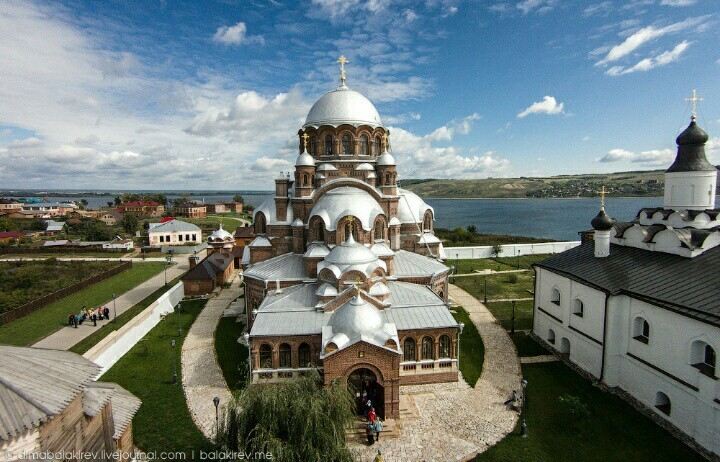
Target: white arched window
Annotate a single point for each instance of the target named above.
(641, 330)
(703, 357)
(555, 296)
(551, 337)
(578, 308)
(662, 402)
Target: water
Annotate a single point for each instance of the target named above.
(558, 219)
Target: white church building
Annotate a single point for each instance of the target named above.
(639, 308)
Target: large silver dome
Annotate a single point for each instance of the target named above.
(342, 106)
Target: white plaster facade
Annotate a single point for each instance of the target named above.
(662, 367)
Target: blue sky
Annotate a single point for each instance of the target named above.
(210, 95)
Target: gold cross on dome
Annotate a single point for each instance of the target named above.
(385, 140)
(694, 100)
(602, 197)
(357, 285)
(305, 138)
(342, 60)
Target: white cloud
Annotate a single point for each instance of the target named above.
(401, 118)
(655, 158)
(678, 2)
(236, 35)
(598, 9)
(500, 7)
(645, 35)
(548, 105)
(647, 64)
(538, 6)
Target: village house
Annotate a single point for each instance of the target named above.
(51, 402)
(118, 245)
(141, 208)
(244, 235)
(54, 227)
(216, 269)
(9, 205)
(8, 237)
(191, 210)
(174, 232)
(49, 209)
(109, 217)
(224, 207)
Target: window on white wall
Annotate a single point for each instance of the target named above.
(551, 337)
(578, 307)
(662, 403)
(555, 296)
(703, 357)
(641, 330)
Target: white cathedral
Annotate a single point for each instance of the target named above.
(638, 309)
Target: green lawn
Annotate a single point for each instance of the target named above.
(163, 422)
(33, 327)
(526, 346)
(499, 286)
(466, 266)
(93, 339)
(503, 313)
(472, 350)
(613, 431)
(232, 357)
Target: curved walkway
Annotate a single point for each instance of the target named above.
(443, 422)
(202, 379)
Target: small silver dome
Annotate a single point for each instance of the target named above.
(220, 235)
(350, 253)
(386, 159)
(305, 160)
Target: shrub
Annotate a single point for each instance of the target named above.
(512, 278)
(574, 406)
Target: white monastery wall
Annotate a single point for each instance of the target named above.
(509, 250)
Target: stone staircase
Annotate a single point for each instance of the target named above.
(357, 434)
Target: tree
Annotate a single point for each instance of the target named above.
(238, 198)
(97, 231)
(296, 420)
(110, 203)
(129, 223)
(118, 200)
(472, 229)
(497, 250)
(83, 204)
(248, 208)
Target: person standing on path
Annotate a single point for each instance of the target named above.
(371, 415)
(370, 432)
(378, 457)
(378, 428)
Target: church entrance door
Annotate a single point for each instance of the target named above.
(366, 388)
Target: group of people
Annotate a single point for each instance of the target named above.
(92, 314)
(374, 425)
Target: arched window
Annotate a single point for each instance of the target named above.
(565, 346)
(555, 296)
(428, 348)
(319, 231)
(378, 145)
(409, 350)
(313, 146)
(387, 178)
(641, 330)
(346, 144)
(551, 337)
(328, 145)
(364, 148)
(265, 356)
(260, 223)
(304, 355)
(379, 234)
(285, 356)
(703, 358)
(445, 347)
(305, 179)
(427, 221)
(578, 308)
(662, 402)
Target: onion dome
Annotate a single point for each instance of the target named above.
(602, 221)
(305, 160)
(364, 167)
(691, 151)
(357, 318)
(342, 106)
(317, 250)
(326, 168)
(386, 159)
(371, 176)
(350, 252)
(297, 223)
(326, 290)
(220, 235)
(379, 290)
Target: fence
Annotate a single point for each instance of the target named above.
(508, 250)
(113, 347)
(38, 303)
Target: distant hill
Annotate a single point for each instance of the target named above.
(626, 184)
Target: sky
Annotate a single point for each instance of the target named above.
(143, 94)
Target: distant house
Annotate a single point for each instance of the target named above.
(52, 404)
(191, 210)
(109, 217)
(233, 206)
(26, 215)
(54, 227)
(7, 237)
(244, 235)
(174, 232)
(213, 271)
(9, 205)
(215, 207)
(49, 209)
(141, 208)
(118, 244)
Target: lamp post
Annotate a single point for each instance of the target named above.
(518, 258)
(179, 308)
(485, 291)
(216, 402)
(169, 261)
(523, 425)
(114, 309)
(175, 376)
(512, 319)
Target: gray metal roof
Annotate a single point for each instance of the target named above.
(410, 264)
(289, 323)
(685, 285)
(36, 384)
(172, 226)
(283, 267)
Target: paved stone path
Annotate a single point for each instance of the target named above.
(538, 359)
(67, 337)
(202, 378)
(445, 422)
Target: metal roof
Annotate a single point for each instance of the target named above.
(210, 266)
(342, 106)
(410, 264)
(283, 267)
(686, 285)
(172, 226)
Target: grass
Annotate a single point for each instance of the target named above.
(503, 313)
(526, 346)
(460, 237)
(33, 327)
(232, 356)
(22, 282)
(466, 266)
(614, 431)
(108, 255)
(499, 286)
(472, 350)
(163, 422)
(93, 339)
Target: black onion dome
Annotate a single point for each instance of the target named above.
(691, 151)
(602, 221)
